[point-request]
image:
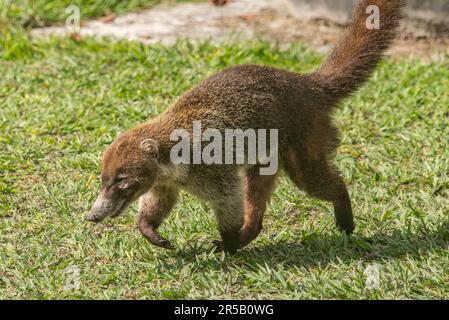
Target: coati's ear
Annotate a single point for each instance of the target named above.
(150, 146)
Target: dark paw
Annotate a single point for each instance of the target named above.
(221, 247)
(347, 228)
(218, 244)
(165, 244)
(155, 238)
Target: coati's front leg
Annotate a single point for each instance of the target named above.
(229, 212)
(154, 207)
(226, 198)
(258, 190)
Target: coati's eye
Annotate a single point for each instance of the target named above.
(122, 182)
(119, 179)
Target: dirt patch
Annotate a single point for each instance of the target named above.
(273, 20)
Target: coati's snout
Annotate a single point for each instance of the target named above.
(129, 170)
(106, 206)
(114, 198)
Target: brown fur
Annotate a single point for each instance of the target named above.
(252, 96)
(258, 190)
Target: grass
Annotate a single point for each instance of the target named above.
(18, 16)
(62, 102)
(39, 13)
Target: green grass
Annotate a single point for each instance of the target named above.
(39, 13)
(17, 16)
(63, 102)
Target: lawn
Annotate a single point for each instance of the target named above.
(38, 13)
(63, 102)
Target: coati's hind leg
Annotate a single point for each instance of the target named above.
(319, 179)
(258, 190)
(154, 207)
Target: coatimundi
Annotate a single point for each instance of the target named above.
(137, 164)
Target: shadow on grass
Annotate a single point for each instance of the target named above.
(320, 250)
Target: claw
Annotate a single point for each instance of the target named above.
(154, 237)
(165, 244)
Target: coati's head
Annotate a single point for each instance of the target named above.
(129, 169)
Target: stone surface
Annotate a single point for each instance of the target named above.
(433, 13)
